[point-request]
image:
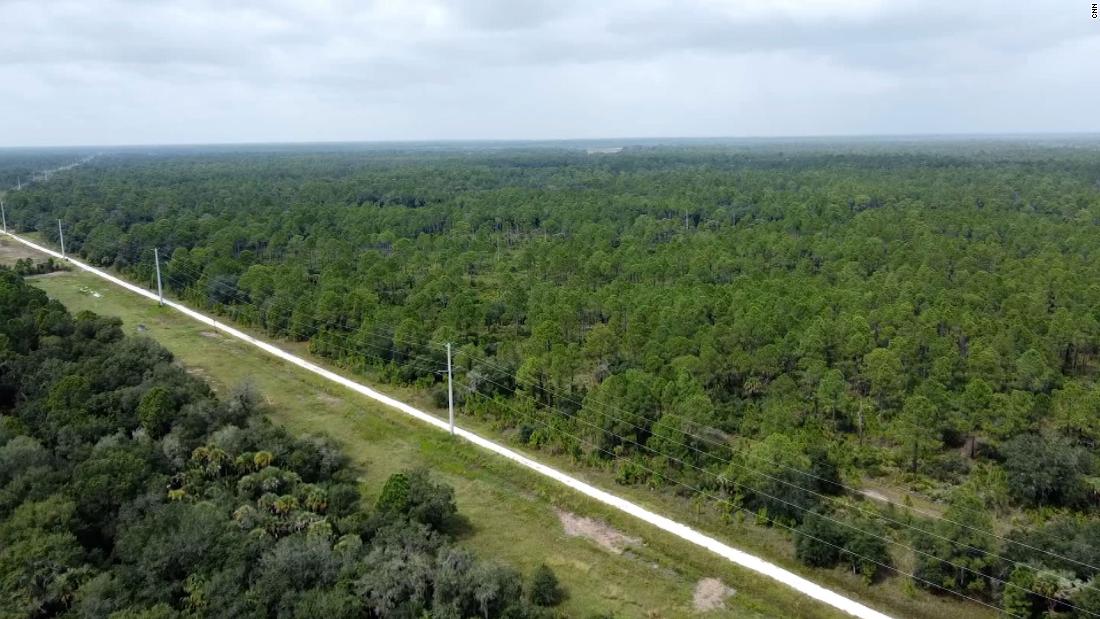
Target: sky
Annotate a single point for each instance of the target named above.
(217, 71)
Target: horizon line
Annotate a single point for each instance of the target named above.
(1024, 135)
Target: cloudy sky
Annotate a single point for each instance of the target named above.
(198, 71)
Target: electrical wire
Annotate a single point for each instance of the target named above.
(835, 521)
(236, 294)
(730, 504)
(755, 472)
(795, 506)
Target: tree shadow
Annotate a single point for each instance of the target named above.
(458, 526)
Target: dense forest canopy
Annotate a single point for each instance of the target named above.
(128, 490)
(22, 166)
(769, 326)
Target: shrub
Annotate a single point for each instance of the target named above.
(545, 589)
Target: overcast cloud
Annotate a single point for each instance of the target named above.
(196, 71)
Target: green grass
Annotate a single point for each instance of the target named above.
(510, 511)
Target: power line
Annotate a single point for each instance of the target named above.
(819, 515)
(397, 354)
(721, 479)
(427, 370)
(809, 511)
(826, 497)
(876, 514)
(726, 445)
(736, 507)
(678, 529)
(735, 464)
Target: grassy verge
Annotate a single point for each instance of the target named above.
(511, 512)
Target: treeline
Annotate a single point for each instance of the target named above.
(23, 165)
(763, 327)
(127, 489)
(27, 266)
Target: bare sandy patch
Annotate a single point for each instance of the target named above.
(213, 334)
(602, 533)
(710, 594)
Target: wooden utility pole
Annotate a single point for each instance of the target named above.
(450, 392)
(160, 291)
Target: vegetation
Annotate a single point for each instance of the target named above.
(128, 489)
(506, 513)
(26, 266)
(23, 166)
(764, 330)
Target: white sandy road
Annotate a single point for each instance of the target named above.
(682, 531)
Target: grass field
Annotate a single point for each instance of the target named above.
(513, 515)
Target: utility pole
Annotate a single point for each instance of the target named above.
(4, 215)
(61, 235)
(450, 392)
(160, 291)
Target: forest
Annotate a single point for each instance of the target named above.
(128, 490)
(888, 350)
(23, 166)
